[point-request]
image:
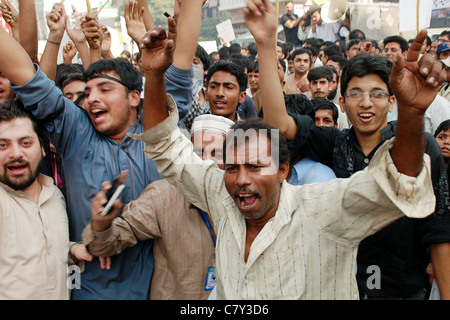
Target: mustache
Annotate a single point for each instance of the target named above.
(245, 190)
(16, 161)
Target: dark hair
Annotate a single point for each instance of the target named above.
(445, 33)
(313, 50)
(296, 52)
(228, 66)
(234, 49)
(356, 34)
(63, 70)
(298, 104)
(314, 42)
(223, 52)
(319, 73)
(363, 65)
(283, 64)
(253, 67)
(252, 49)
(444, 126)
(128, 74)
(204, 57)
(258, 125)
(351, 43)
(334, 70)
(322, 103)
(404, 46)
(326, 43)
(77, 76)
(284, 48)
(14, 109)
(314, 9)
(340, 60)
(332, 50)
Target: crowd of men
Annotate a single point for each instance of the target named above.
(311, 168)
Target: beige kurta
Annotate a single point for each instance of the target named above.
(308, 250)
(183, 247)
(34, 244)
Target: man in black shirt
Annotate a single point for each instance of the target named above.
(391, 263)
(290, 22)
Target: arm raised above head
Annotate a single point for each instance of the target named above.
(157, 49)
(28, 28)
(415, 85)
(189, 15)
(261, 20)
(15, 63)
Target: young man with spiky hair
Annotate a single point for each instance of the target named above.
(370, 85)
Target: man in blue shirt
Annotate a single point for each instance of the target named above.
(94, 146)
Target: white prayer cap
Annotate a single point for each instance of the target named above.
(211, 123)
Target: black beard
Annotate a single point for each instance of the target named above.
(25, 184)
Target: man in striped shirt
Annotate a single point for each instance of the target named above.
(275, 240)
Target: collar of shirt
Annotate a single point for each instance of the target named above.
(46, 193)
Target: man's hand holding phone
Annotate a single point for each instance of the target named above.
(106, 204)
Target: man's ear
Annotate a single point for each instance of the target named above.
(135, 98)
(392, 101)
(242, 97)
(283, 171)
(342, 103)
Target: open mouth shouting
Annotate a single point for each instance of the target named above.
(98, 114)
(366, 116)
(246, 200)
(220, 104)
(17, 168)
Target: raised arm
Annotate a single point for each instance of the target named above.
(11, 16)
(134, 20)
(77, 36)
(56, 21)
(28, 28)
(188, 15)
(157, 49)
(148, 18)
(94, 35)
(106, 44)
(261, 20)
(15, 63)
(415, 85)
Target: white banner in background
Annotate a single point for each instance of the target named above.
(407, 14)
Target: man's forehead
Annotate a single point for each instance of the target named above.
(223, 77)
(370, 80)
(248, 148)
(302, 56)
(392, 44)
(319, 80)
(16, 128)
(109, 75)
(207, 136)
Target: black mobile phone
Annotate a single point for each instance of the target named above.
(110, 192)
(116, 195)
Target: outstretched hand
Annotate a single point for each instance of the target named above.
(157, 48)
(261, 20)
(416, 83)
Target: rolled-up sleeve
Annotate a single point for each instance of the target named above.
(200, 181)
(354, 208)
